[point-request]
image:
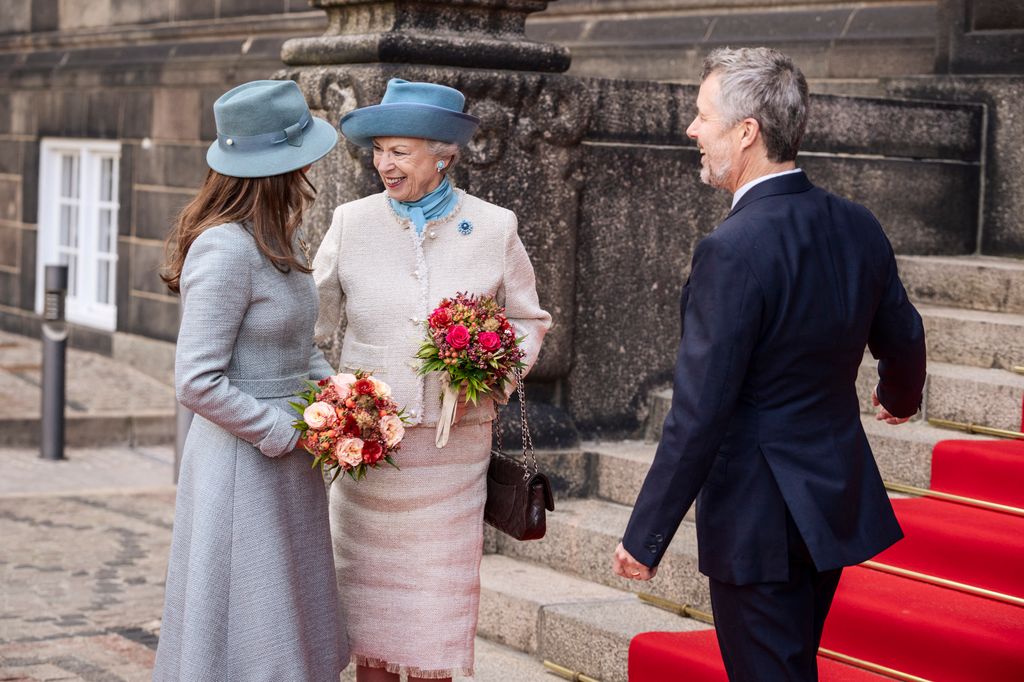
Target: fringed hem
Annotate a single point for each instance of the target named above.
(409, 670)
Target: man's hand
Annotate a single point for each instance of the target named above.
(883, 414)
(624, 565)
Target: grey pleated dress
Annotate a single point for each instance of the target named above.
(251, 592)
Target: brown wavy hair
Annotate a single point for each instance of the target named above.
(271, 209)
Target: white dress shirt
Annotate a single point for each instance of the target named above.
(746, 188)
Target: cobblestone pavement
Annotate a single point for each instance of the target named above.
(23, 472)
(81, 589)
(95, 383)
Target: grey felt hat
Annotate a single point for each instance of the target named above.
(264, 128)
(409, 109)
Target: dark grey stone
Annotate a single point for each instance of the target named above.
(10, 237)
(27, 269)
(241, 8)
(10, 285)
(156, 319)
(980, 37)
(29, 184)
(136, 113)
(925, 208)
(5, 113)
(738, 29)
(648, 30)
(195, 9)
(10, 200)
(486, 34)
(124, 189)
(155, 212)
(124, 276)
(170, 165)
(10, 156)
(1002, 231)
(146, 261)
(45, 15)
(899, 21)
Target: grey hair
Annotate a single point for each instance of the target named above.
(765, 85)
(439, 148)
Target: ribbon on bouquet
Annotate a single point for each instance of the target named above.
(449, 404)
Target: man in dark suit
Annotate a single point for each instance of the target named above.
(764, 429)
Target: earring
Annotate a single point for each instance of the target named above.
(440, 166)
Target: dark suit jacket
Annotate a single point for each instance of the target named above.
(782, 298)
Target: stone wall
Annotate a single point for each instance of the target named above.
(145, 74)
(667, 39)
(610, 205)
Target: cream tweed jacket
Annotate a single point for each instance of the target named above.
(378, 280)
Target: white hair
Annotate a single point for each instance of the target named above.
(763, 84)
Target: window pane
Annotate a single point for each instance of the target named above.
(107, 179)
(69, 226)
(72, 263)
(69, 176)
(104, 238)
(103, 281)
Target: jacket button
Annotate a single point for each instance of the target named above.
(653, 548)
(658, 537)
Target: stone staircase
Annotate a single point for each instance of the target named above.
(556, 599)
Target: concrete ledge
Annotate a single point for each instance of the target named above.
(94, 430)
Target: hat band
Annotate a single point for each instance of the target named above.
(248, 143)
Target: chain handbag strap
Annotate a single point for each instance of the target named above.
(529, 455)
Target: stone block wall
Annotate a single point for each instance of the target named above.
(145, 74)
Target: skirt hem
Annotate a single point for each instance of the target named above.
(410, 670)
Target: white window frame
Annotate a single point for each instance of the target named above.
(83, 308)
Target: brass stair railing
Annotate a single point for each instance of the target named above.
(950, 497)
(970, 427)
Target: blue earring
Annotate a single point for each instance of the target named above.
(440, 166)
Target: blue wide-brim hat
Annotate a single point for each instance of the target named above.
(426, 110)
(264, 128)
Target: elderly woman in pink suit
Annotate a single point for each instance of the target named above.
(407, 544)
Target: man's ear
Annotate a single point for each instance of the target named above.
(750, 131)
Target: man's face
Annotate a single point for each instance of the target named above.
(719, 145)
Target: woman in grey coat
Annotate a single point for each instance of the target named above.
(250, 590)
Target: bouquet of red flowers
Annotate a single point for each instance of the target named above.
(473, 344)
(349, 423)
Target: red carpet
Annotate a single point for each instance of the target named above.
(955, 542)
(911, 626)
(694, 657)
(984, 470)
(924, 630)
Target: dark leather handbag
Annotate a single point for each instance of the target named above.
(518, 494)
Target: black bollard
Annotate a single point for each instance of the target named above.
(55, 341)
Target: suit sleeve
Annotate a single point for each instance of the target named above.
(518, 293)
(331, 317)
(897, 341)
(216, 291)
(722, 312)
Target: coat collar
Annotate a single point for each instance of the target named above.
(792, 183)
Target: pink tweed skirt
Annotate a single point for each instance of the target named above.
(407, 549)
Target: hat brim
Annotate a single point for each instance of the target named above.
(280, 158)
(408, 119)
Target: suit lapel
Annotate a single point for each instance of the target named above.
(791, 183)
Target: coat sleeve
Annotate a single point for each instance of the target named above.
(216, 293)
(518, 293)
(897, 341)
(331, 317)
(722, 310)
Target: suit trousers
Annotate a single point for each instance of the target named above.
(770, 632)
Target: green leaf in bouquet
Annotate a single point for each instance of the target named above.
(389, 460)
(301, 409)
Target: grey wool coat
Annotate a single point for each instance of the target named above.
(250, 590)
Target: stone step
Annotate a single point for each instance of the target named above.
(973, 337)
(572, 622)
(992, 397)
(903, 454)
(582, 535)
(94, 430)
(974, 282)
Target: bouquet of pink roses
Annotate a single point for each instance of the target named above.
(473, 344)
(349, 423)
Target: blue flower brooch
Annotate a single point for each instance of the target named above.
(465, 227)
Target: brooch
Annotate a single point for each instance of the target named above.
(465, 227)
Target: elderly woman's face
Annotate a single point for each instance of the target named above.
(406, 166)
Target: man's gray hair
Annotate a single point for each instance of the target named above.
(765, 85)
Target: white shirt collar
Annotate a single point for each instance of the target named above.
(746, 188)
